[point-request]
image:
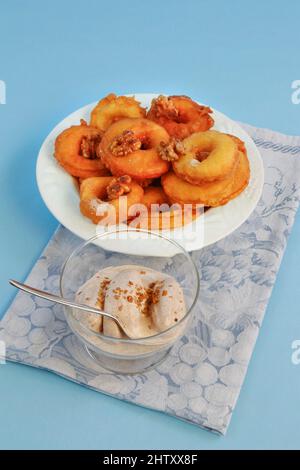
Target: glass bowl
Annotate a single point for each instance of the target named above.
(125, 247)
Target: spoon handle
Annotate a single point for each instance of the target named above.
(58, 300)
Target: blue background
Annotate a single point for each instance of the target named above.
(55, 56)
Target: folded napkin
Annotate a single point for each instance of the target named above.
(201, 379)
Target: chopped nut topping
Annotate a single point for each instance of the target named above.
(171, 151)
(89, 145)
(125, 143)
(118, 187)
(155, 295)
(164, 106)
(142, 297)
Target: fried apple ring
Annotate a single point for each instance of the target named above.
(180, 115)
(211, 194)
(168, 219)
(75, 151)
(156, 213)
(129, 147)
(154, 195)
(112, 108)
(96, 204)
(209, 156)
(240, 144)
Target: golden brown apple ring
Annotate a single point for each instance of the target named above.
(240, 144)
(211, 194)
(165, 220)
(154, 195)
(95, 206)
(180, 115)
(68, 152)
(112, 108)
(140, 164)
(209, 156)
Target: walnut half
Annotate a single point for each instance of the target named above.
(164, 106)
(118, 187)
(89, 145)
(172, 150)
(125, 143)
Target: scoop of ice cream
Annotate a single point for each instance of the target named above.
(146, 301)
(88, 295)
(167, 307)
(127, 299)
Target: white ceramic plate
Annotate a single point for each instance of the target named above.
(61, 196)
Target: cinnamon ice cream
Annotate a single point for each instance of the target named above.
(146, 301)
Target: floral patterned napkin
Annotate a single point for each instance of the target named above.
(201, 379)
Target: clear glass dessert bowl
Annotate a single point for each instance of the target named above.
(118, 248)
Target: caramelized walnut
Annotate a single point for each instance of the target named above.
(164, 106)
(118, 187)
(89, 146)
(171, 151)
(125, 143)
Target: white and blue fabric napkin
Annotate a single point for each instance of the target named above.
(200, 381)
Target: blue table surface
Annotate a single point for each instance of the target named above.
(241, 57)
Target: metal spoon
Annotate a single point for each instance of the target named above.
(60, 300)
